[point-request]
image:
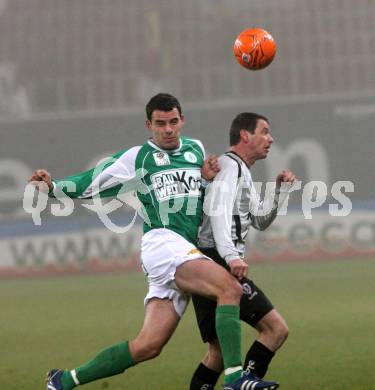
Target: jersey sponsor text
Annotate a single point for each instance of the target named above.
(176, 183)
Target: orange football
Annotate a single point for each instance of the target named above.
(254, 48)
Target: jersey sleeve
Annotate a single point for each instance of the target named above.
(115, 174)
(263, 212)
(219, 201)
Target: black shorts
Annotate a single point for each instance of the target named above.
(254, 304)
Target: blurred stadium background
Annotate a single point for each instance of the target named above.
(74, 79)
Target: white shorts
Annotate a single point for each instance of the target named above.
(162, 251)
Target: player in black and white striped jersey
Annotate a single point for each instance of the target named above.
(232, 204)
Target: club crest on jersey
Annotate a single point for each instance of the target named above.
(161, 158)
(176, 183)
(190, 157)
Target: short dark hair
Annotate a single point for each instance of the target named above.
(162, 102)
(245, 120)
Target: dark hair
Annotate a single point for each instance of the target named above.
(162, 102)
(243, 121)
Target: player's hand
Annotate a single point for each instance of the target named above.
(238, 268)
(210, 167)
(285, 176)
(41, 176)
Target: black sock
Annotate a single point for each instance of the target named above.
(257, 359)
(204, 376)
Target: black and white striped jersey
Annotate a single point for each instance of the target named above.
(232, 204)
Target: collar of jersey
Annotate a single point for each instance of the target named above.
(169, 151)
(238, 156)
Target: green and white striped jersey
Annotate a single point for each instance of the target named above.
(167, 183)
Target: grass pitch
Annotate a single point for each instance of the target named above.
(62, 322)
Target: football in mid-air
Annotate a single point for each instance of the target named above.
(254, 48)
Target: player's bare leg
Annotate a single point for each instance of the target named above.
(213, 358)
(159, 324)
(209, 279)
(209, 370)
(206, 278)
(273, 331)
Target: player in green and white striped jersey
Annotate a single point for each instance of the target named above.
(166, 174)
(168, 184)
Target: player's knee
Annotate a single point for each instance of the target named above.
(146, 349)
(232, 290)
(152, 350)
(282, 332)
(226, 288)
(279, 333)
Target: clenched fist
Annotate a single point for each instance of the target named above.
(41, 176)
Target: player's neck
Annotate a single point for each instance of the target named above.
(244, 154)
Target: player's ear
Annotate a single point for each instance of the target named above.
(148, 123)
(244, 134)
(182, 117)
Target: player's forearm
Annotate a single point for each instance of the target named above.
(106, 179)
(228, 253)
(262, 221)
(225, 245)
(221, 229)
(73, 186)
